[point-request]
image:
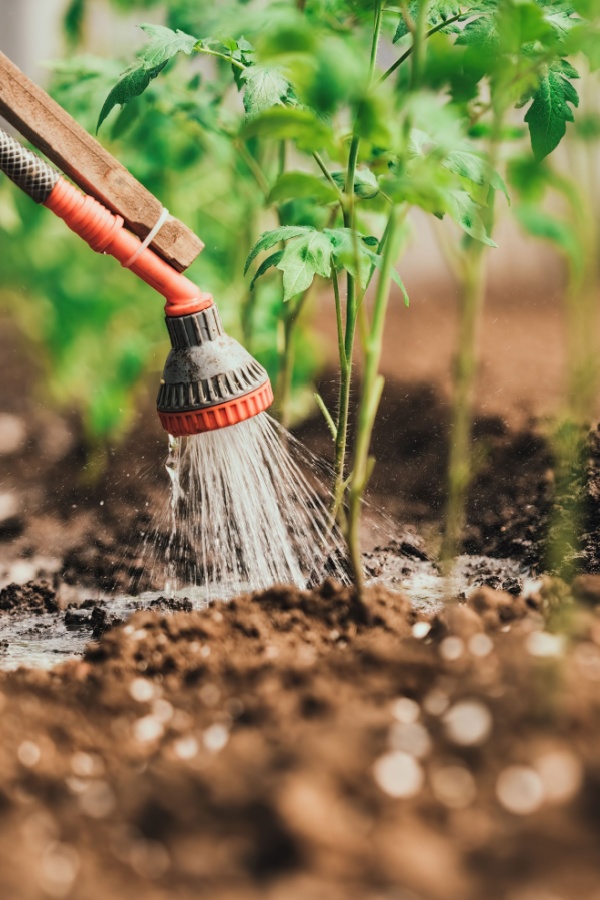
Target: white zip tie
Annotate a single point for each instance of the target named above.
(149, 237)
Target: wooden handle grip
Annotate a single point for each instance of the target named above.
(52, 130)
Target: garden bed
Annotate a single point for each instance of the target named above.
(280, 746)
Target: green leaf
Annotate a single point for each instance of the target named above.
(349, 254)
(284, 123)
(474, 166)
(539, 224)
(268, 239)
(299, 185)
(302, 259)
(265, 86)
(273, 260)
(377, 261)
(465, 212)
(549, 113)
(132, 83)
(164, 44)
(366, 185)
(439, 11)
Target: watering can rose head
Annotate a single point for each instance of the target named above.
(209, 381)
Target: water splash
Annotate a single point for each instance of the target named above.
(244, 514)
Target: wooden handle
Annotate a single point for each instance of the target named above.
(53, 131)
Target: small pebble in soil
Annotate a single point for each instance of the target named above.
(97, 800)
(410, 737)
(561, 774)
(519, 789)
(421, 630)
(215, 737)
(186, 747)
(142, 690)
(454, 786)
(480, 645)
(541, 643)
(398, 774)
(452, 648)
(58, 868)
(405, 710)
(436, 702)
(29, 754)
(468, 723)
(148, 729)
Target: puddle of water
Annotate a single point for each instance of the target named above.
(42, 641)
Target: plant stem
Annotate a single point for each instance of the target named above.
(372, 386)
(419, 39)
(234, 62)
(409, 51)
(253, 166)
(459, 465)
(287, 354)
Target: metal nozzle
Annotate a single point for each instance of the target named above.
(209, 380)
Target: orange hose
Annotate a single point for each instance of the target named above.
(104, 232)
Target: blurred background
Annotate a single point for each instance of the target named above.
(60, 297)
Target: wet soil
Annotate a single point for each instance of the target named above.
(282, 746)
(279, 747)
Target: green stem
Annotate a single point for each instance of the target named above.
(319, 161)
(287, 353)
(253, 167)
(420, 37)
(234, 62)
(372, 386)
(408, 52)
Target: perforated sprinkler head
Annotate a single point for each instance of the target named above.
(209, 380)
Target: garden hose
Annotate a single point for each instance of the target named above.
(209, 380)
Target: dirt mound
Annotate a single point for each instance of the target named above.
(280, 747)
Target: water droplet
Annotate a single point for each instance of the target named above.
(561, 774)
(436, 702)
(186, 747)
(148, 729)
(410, 737)
(468, 723)
(215, 737)
(480, 645)
(519, 789)
(142, 690)
(405, 710)
(398, 774)
(421, 629)
(454, 786)
(541, 643)
(29, 754)
(452, 648)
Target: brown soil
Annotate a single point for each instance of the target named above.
(241, 752)
(237, 753)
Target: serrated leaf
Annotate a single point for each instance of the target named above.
(132, 83)
(439, 11)
(346, 251)
(299, 185)
(366, 185)
(272, 260)
(549, 113)
(474, 166)
(377, 261)
(164, 44)
(265, 86)
(268, 239)
(302, 259)
(465, 212)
